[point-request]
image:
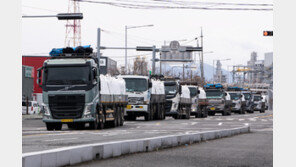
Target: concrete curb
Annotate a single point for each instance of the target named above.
(78, 154)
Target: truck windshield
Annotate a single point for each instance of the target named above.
(257, 98)
(247, 96)
(67, 75)
(193, 91)
(234, 96)
(136, 84)
(214, 94)
(172, 89)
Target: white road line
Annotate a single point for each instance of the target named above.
(241, 119)
(229, 119)
(246, 124)
(252, 119)
(264, 120)
(193, 123)
(61, 139)
(220, 123)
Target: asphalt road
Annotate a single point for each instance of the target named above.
(35, 137)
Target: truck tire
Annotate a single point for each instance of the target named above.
(80, 126)
(50, 126)
(228, 111)
(71, 126)
(240, 111)
(121, 116)
(115, 121)
(198, 113)
(147, 116)
(101, 121)
(188, 113)
(212, 113)
(224, 112)
(204, 112)
(94, 125)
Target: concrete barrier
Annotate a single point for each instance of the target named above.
(83, 153)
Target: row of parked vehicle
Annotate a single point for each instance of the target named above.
(183, 99)
(76, 94)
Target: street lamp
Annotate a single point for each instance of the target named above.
(60, 16)
(214, 67)
(126, 28)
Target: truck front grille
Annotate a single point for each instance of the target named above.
(66, 106)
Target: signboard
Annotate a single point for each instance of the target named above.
(175, 52)
(29, 72)
(102, 62)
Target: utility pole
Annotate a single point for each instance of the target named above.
(201, 63)
(125, 49)
(183, 72)
(153, 59)
(99, 45)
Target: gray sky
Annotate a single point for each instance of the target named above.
(229, 34)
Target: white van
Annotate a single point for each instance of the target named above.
(33, 107)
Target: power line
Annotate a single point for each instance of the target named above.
(141, 6)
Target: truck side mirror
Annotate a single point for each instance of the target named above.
(94, 73)
(39, 74)
(150, 85)
(198, 92)
(225, 94)
(180, 89)
(241, 96)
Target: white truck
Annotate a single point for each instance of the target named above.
(75, 94)
(238, 100)
(178, 101)
(146, 97)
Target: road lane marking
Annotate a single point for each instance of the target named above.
(264, 116)
(61, 139)
(193, 123)
(220, 123)
(241, 119)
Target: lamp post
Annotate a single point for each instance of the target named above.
(60, 16)
(126, 28)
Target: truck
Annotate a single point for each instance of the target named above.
(178, 101)
(258, 103)
(202, 110)
(199, 101)
(146, 97)
(238, 100)
(75, 94)
(249, 101)
(218, 99)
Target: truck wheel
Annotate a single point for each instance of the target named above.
(240, 111)
(58, 126)
(262, 111)
(121, 116)
(94, 125)
(224, 112)
(204, 112)
(114, 122)
(188, 113)
(80, 126)
(212, 113)
(71, 126)
(147, 116)
(101, 121)
(50, 126)
(229, 111)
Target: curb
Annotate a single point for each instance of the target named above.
(77, 154)
(32, 117)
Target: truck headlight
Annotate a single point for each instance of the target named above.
(45, 110)
(87, 109)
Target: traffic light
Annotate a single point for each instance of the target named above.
(70, 16)
(267, 33)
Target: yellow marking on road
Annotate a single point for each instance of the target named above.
(157, 123)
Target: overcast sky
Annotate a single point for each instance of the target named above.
(229, 34)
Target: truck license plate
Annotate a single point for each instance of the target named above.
(67, 120)
(212, 108)
(128, 106)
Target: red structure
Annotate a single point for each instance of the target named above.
(36, 62)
